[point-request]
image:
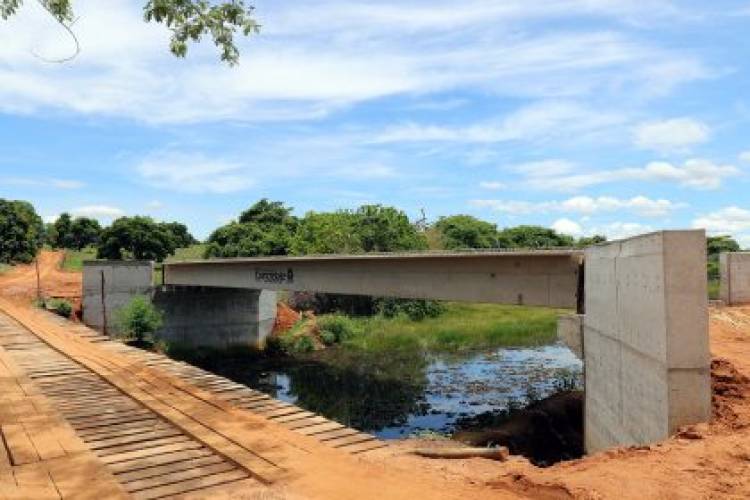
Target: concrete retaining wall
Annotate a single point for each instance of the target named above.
(645, 338)
(216, 317)
(570, 332)
(120, 281)
(735, 277)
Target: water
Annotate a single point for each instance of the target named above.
(402, 393)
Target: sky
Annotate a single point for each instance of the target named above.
(612, 117)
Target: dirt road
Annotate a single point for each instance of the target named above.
(708, 461)
(20, 282)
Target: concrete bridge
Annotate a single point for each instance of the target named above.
(644, 335)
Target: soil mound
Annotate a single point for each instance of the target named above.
(546, 432)
(286, 318)
(728, 389)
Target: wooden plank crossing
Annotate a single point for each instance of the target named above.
(148, 456)
(288, 415)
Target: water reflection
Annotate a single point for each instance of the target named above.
(397, 393)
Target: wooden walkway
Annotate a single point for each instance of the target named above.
(131, 448)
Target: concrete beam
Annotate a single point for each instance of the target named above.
(540, 278)
(645, 338)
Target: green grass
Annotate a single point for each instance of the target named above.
(4, 268)
(461, 327)
(74, 258)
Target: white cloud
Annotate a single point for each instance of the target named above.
(539, 121)
(728, 220)
(745, 156)
(677, 134)
(567, 226)
(620, 230)
(584, 205)
(492, 185)
(315, 58)
(194, 173)
(97, 212)
(154, 205)
(696, 173)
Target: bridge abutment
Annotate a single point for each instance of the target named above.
(645, 343)
(218, 317)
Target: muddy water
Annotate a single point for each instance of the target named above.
(398, 394)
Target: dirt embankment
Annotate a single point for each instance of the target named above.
(20, 282)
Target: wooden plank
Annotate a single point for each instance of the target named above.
(181, 476)
(43, 439)
(168, 468)
(143, 445)
(138, 463)
(21, 449)
(314, 429)
(97, 444)
(364, 447)
(136, 454)
(353, 439)
(192, 484)
(336, 433)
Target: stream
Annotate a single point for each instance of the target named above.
(398, 394)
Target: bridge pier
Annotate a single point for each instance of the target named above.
(219, 317)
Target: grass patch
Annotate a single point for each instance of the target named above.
(73, 260)
(4, 268)
(461, 327)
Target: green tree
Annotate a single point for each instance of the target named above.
(266, 228)
(138, 319)
(327, 233)
(180, 234)
(86, 232)
(135, 238)
(465, 231)
(387, 229)
(587, 241)
(63, 231)
(21, 231)
(533, 237)
(188, 20)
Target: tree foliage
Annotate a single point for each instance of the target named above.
(266, 228)
(181, 237)
(137, 238)
(138, 319)
(387, 229)
(188, 20)
(21, 231)
(533, 237)
(715, 245)
(587, 241)
(77, 233)
(327, 233)
(465, 231)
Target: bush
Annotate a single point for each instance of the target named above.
(337, 328)
(21, 232)
(139, 319)
(303, 343)
(61, 307)
(416, 310)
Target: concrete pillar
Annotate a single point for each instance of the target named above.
(109, 285)
(570, 332)
(645, 338)
(212, 316)
(734, 268)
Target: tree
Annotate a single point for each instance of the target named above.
(326, 233)
(63, 231)
(86, 232)
(180, 234)
(533, 237)
(21, 231)
(587, 241)
(266, 228)
(135, 238)
(188, 20)
(387, 229)
(465, 231)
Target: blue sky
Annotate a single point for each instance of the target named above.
(591, 116)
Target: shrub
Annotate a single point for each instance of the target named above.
(303, 343)
(139, 319)
(416, 310)
(337, 328)
(61, 307)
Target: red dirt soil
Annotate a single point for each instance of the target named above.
(703, 461)
(286, 317)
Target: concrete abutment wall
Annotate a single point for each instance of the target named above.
(645, 338)
(734, 268)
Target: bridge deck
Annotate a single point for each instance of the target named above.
(133, 424)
